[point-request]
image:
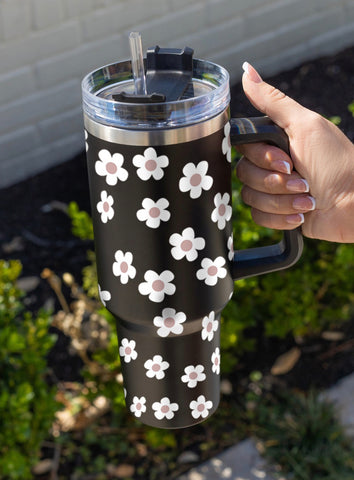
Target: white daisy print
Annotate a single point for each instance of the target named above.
(212, 270)
(104, 295)
(110, 166)
(150, 165)
(127, 350)
(222, 211)
(215, 360)
(210, 326)
(104, 207)
(230, 246)
(157, 286)
(86, 144)
(155, 367)
(193, 375)
(122, 267)
(195, 179)
(186, 245)
(200, 407)
(138, 406)
(164, 408)
(153, 213)
(226, 143)
(170, 322)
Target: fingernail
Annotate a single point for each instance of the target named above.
(298, 185)
(281, 166)
(304, 203)
(296, 219)
(251, 72)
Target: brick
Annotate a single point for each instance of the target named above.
(15, 169)
(15, 19)
(220, 10)
(80, 61)
(164, 30)
(39, 45)
(16, 84)
(214, 39)
(75, 8)
(47, 13)
(113, 20)
(61, 126)
(18, 142)
(39, 105)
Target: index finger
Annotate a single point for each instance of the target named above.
(267, 156)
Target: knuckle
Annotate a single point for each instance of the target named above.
(272, 182)
(276, 95)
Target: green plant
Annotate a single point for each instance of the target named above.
(302, 435)
(27, 404)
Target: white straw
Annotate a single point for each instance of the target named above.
(136, 50)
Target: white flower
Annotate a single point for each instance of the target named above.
(123, 267)
(157, 286)
(104, 295)
(215, 360)
(155, 367)
(127, 350)
(138, 406)
(212, 270)
(164, 408)
(195, 179)
(210, 325)
(104, 207)
(150, 165)
(230, 246)
(86, 144)
(186, 244)
(153, 213)
(226, 144)
(222, 211)
(170, 322)
(110, 166)
(193, 375)
(200, 407)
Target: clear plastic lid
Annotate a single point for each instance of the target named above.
(206, 96)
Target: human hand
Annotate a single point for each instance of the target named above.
(315, 187)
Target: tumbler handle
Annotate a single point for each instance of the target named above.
(259, 260)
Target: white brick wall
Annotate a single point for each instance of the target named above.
(47, 46)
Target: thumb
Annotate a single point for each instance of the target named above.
(281, 109)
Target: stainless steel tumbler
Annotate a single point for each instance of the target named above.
(160, 184)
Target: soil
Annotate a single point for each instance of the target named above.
(36, 230)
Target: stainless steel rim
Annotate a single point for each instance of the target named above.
(169, 136)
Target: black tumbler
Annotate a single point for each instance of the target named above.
(160, 186)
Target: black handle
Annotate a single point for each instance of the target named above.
(259, 260)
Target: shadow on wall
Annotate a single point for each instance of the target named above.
(241, 462)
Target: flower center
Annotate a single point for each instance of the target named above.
(222, 210)
(165, 408)
(169, 322)
(195, 180)
(124, 267)
(209, 327)
(150, 165)
(193, 375)
(128, 350)
(186, 245)
(216, 361)
(213, 270)
(158, 285)
(200, 407)
(154, 212)
(138, 406)
(155, 367)
(105, 206)
(111, 167)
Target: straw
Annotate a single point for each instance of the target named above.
(136, 50)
